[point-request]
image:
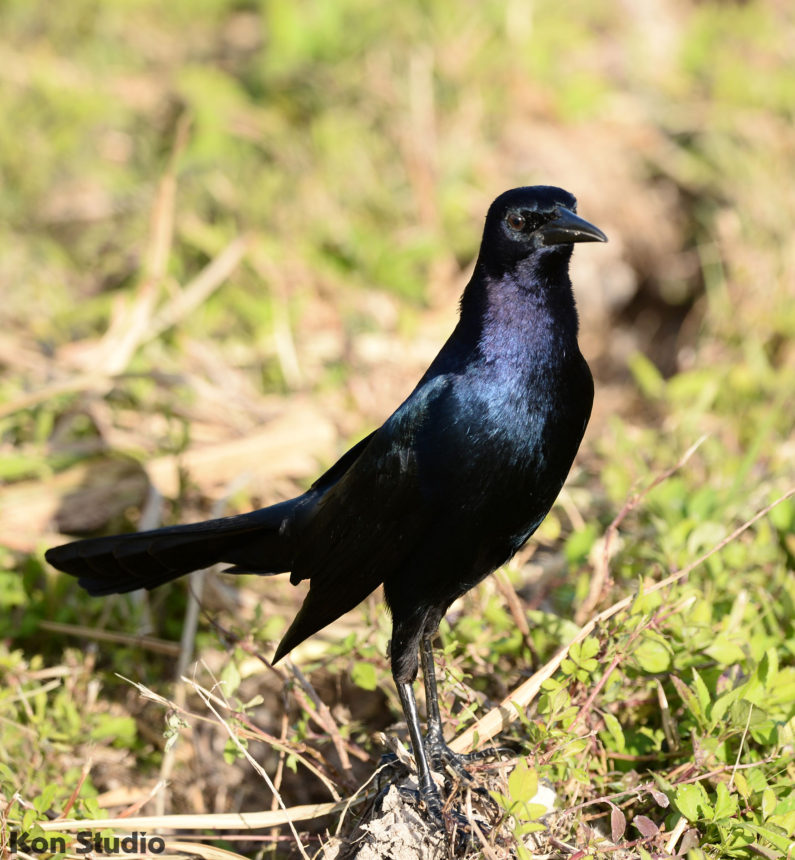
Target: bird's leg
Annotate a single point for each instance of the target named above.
(434, 737)
(428, 790)
(440, 755)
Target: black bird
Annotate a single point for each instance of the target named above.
(439, 496)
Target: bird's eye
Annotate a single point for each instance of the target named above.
(515, 221)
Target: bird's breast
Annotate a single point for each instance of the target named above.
(524, 428)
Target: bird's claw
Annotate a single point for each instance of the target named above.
(392, 771)
(487, 753)
(433, 806)
(443, 759)
(429, 797)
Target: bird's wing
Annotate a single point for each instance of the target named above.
(358, 531)
(332, 475)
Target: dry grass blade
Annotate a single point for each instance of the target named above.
(201, 287)
(162, 232)
(290, 444)
(154, 791)
(221, 821)
(186, 649)
(73, 385)
(131, 326)
(84, 772)
(508, 710)
(150, 643)
(199, 849)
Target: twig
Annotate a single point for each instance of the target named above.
(323, 716)
(488, 851)
(648, 787)
(277, 779)
(76, 793)
(621, 653)
(253, 732)
(679, 829)
(507, 590)
(742, 744)
(139, 804)
(254, 763)
(358, 796)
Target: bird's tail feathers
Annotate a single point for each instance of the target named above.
(253, 542)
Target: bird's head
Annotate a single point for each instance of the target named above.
(535, 221)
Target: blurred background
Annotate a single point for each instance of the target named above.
(232, 236)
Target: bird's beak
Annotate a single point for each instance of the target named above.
(567, 227)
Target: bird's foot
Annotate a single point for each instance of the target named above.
(396, 768)
(427, 795)
(444, 760)
(450, 818)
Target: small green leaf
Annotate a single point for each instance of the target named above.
(725, 652)
(523, 783)
(7, 774)
(652, 656)
(535, 810)
(616, 732)
(725, 804)
(501, 799)
(233, 749)
(742, 785)
(568, 667)
(722, 705)
(528, 827)
(692, 801)
(775, 837)
(768, 668)
(690, 699)
(701, 691)
(44, 801)
(769, 802)
(121, 731)
(579, 544)
(522, 852)
(785, 805)
(363, 675)
(230, 677)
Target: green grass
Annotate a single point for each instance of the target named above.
(355, 148)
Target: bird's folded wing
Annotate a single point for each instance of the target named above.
(359, 530)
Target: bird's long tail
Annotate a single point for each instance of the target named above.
(253, 543)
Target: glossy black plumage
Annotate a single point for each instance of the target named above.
(452, 483)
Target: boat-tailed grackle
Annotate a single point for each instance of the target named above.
(438, 497)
